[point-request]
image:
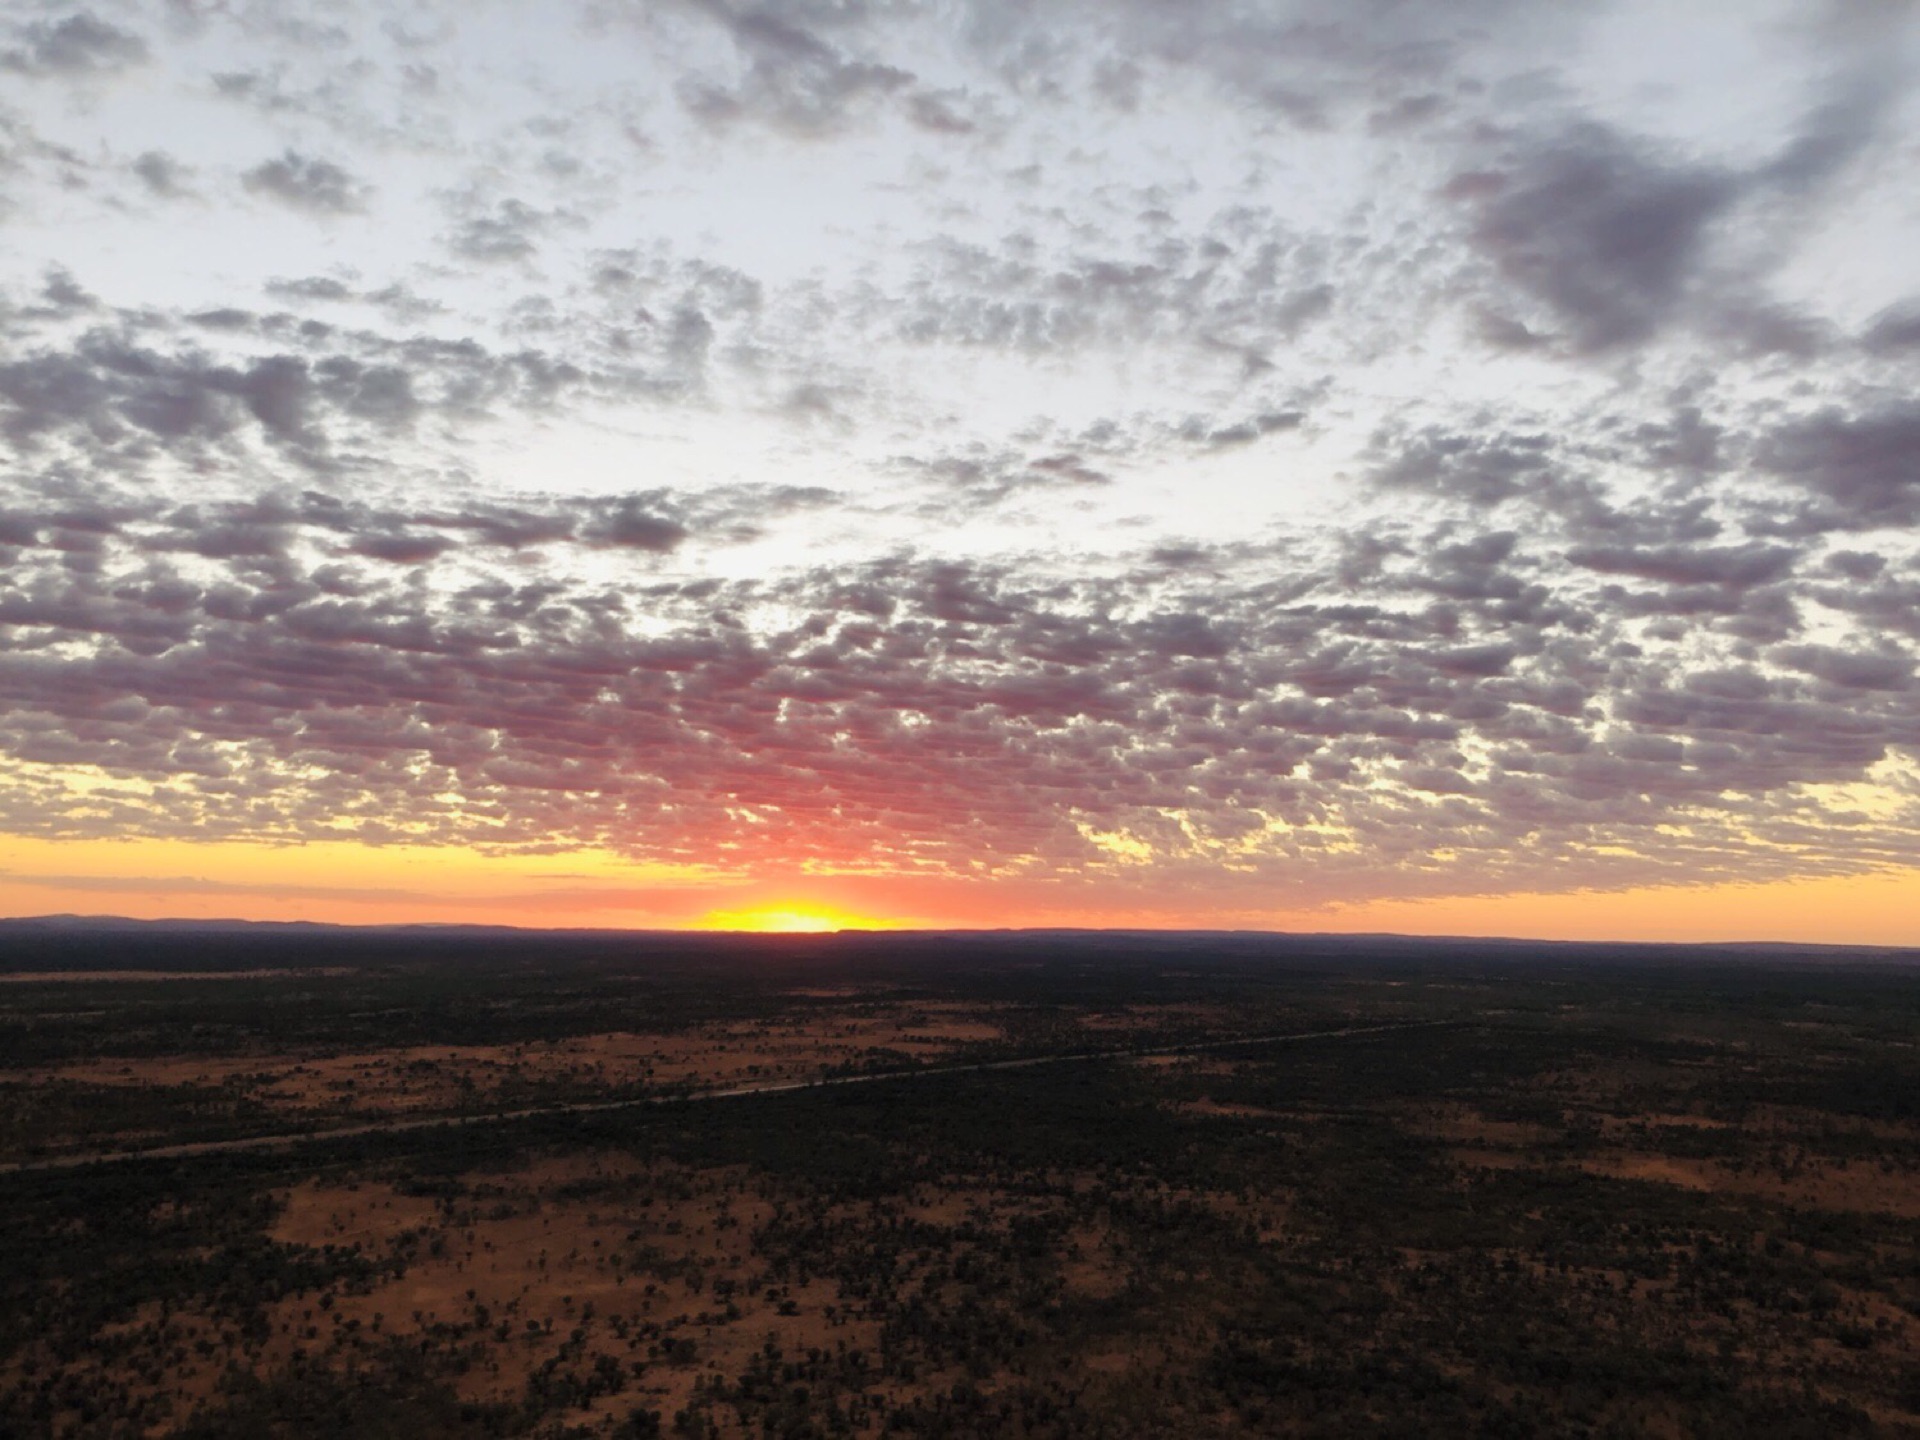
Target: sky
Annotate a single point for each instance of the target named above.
(1310, 464)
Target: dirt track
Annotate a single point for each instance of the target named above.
(291, 1138)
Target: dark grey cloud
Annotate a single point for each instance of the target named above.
(29, 160)
(309, 183)
(1607, 239)
(1483, 469)
(630, 525)
(508, 230)
(402, 549)
(276, 524)
(1882, 604)
(941, 112)
(1736, 566)
(107, 390)
(1895, 330)
(134, 385)
(163, 175)
(790, 77)
(313, 287)
(1886, 669)
(1603, 233)
(974, 477)
(1863, 466)
(63, 297)
(1844, 126)
(80, 44)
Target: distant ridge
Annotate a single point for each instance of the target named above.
(71, 927)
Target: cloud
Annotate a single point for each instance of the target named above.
(1606, 239)
(903, 710)
(1311, 64)
(1601, 232)
(628, 525)
(78, 45)
(1862, 96)
(1236, 291)
(1737, 566)
(401, 549)
(509, 230)
(1292, 450)
(790, 80)
(1895, 330)
(1480, 468)
(313, 287)
(1863, 466)
(171, 885)
(1850, 669)
(134, 381)
(107, 388)
(940, 112)
(316, 186)
(163, 176)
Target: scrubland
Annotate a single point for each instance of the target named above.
(1643, 1196)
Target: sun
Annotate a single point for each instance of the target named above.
(787, 918)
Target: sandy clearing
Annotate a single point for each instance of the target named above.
(1859, 1188)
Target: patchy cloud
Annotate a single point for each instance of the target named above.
(163, 176)
(509, 230)
(1864, 466)
(1290, 453)
(1604, 235)
(790, 78)
(307, 183)
(77, 45)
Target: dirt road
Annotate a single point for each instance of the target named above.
(737, 1092)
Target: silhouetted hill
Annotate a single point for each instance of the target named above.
(94, 942)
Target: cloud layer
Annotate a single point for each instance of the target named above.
(1280, 453)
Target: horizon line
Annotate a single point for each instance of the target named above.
(71, 922)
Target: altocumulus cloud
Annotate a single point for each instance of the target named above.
(1296, 452)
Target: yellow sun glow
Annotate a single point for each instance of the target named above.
(796, 918)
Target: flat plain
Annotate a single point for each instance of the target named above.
(1025, 1185)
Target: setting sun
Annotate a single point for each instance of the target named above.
(798, 918)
